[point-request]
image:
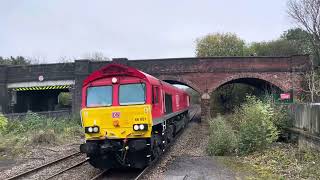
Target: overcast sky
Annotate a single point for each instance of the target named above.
(50, 29)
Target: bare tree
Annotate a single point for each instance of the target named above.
(312, 86)
(38, 59)
(96, 56)
(306, 13)
(65, 59)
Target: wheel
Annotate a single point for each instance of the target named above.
(170, 133)
(155, 146)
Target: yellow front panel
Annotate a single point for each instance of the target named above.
(116, 122)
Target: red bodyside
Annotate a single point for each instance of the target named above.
(125, 75)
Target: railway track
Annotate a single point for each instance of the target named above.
(108, 174)
(99, 175)
(32, 171)
(67, 169)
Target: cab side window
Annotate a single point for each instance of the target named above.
(168, 103)
(155, 95)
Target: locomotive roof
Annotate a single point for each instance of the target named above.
(116, 70)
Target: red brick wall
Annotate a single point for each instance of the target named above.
(208, 74)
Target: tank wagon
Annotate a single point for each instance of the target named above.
(129, 116)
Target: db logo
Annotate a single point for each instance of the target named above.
(115, 114)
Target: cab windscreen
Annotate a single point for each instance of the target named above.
(130, 94)
(99, 96)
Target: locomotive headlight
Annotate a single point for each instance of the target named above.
(92, 129)
(96, 129)
(136, 127)
(140, 127)
(114, 80)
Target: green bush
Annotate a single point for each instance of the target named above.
(255, 125)
(34, 121)
(281, 115)
(222, 139)
(65, 98)
(31, 122)
(3, 123)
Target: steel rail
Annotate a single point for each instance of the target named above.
(99, 175)
(42, 166)
(67, 169)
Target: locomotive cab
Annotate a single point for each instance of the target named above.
(117, 111)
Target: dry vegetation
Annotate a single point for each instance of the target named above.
(279, 161)
(19, 136)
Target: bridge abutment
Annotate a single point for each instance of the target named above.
(81, 71)
(205, 107)
(3, 89)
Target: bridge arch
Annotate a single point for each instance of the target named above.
(251, 79)
(270, 82)
(180, 80)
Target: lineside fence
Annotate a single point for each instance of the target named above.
(306, 124)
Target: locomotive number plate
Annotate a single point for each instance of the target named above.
(139, 119)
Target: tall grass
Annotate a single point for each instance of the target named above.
(17, 135)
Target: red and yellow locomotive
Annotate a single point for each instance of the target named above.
(129, 116)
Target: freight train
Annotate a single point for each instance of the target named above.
(129, 117)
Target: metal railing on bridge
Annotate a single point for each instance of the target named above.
(49, 114)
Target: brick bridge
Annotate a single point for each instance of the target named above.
(202, 74)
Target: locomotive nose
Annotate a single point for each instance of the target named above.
(118, 121)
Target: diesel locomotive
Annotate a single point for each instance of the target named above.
(129, 116)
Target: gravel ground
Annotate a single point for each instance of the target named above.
(121, 174)
(46, 172)
(192, 142)
(187, 158)
(37, 156)
(85, 171)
